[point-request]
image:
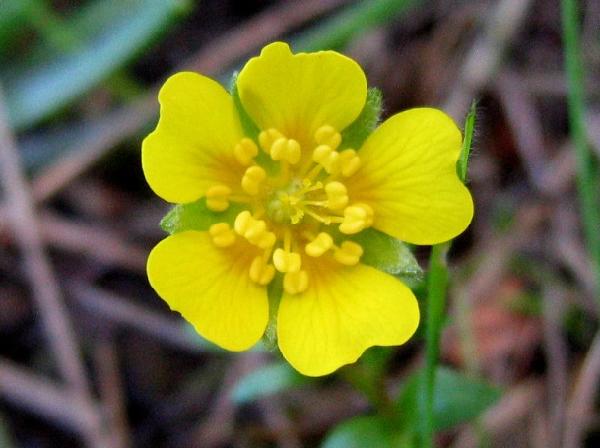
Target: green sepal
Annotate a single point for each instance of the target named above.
(196, 216)
(355, 134)
(388, 254)
(250, 128)
(463, 160)
(274, 293)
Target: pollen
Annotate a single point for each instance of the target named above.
(222, 235)
(267, 138)
(348, 253)
(217, 198)
(295, 282)
(245, 151)
(252, 179)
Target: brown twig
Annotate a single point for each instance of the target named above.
(126, 313)
(582, 399)
(482, 60)
(111, 390)
(44, 398)
(46, 291)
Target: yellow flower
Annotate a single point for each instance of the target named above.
(303, 195)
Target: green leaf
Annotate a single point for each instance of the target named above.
(463, 161)
(457, 399)
(366, 431)
(250, 128)
(196, 216)
(34, 92)
(355, 134)
(388, 254)
(265, 381)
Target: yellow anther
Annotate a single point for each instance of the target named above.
(264, 241)
(349, 253)
(321, 244)
(337, 195)
(295, 282)
(261, 272)
(267, 138)
(252, 179)
(286, 149)
(242, 221)
(245, 151)
(325, 156)
(357, 217)
(327, 135)
(349, 162)
(254, 230)
(217, 198)
(222, 235)
(286, 261)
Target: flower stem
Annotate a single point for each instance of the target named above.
(587, 176)
(436, 304)
(437, 285)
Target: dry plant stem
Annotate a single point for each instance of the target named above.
(485, 55)
(553, 305)
(125, 312)
(223, 51)
(582, 399)
(44, 398)
(111, 390)
(46, 292)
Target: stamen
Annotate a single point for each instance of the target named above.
(349, 253)
(349, 162)
(261, 272)
(324, 219)
(337, 195)
(267, 138)
(357, 217)
(217, 198)
(327, 135)
(253, 179)
(286, 261)
(325, 156)
(286, 149)
(222, 235)
(295, 282)
(318, 246)
(254, 230)
(245, 151)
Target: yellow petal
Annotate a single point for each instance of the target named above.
(298, 93)
(408, 176)
(211, 288)
(192, 145)
(344, 311)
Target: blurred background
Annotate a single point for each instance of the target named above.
(90, 356)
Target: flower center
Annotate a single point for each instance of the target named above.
(291, 214)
